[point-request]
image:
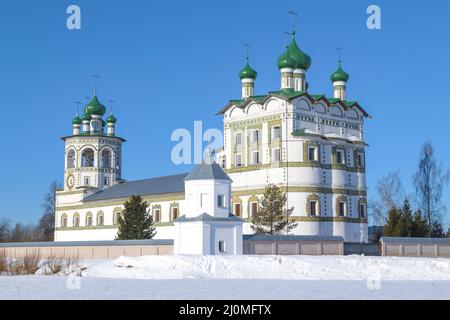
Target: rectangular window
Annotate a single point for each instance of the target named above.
(237, 209)
(276, 155)
(106, 181)
(313, 208)
(255, 157)
(203, 199)
(221, 201)
(312, 153)
(276, 132)
(362, 211)
(360, 160)
(238, 139)
(341, 209)
(157, 215)
(174, 213)
(223, 163)
(255, 136)
(340, 159)
(253, 209)
(238, 160)
(222, 248)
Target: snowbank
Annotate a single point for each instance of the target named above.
(272, 267)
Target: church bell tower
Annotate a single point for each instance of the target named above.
(93, 151)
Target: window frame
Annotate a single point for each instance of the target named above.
(362, 213)
(360, 160)
(344, 205)
(340, 153)
(279, 155)
(255, 205)
(157, 213)
(254, 133)
(315, 153)
(172, 215)
(222, 197)
(236, 135)
(222, 246)
(236, 163)
(313, 204)
(237, 204)
(257, 160)
(276, 128)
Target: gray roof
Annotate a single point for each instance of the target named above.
(207, 217)
(89, 243)
(280, 237)
(160, 185)
(207, 171)
(415, 240)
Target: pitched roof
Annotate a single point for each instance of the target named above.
(207, 171)
(159, 185)
(207, 217)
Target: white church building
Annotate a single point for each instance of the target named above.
(310, 145)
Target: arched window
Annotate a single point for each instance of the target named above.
(71, 159)
(76, 220)
(100, 219)
(87, 158)
(89, 219)
(64, 221)
(106, 158)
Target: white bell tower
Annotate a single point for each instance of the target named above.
(92, 156)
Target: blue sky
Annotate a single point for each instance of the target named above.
(169, 63)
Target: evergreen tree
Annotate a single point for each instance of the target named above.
(419, 226)
(405, 221)
(392, 226)
(134, 222)
(272, 216)
(437, 230)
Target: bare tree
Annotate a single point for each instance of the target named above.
(390, 196)
(390, 190)
(5, 228)
(46, 224)
(429, 181)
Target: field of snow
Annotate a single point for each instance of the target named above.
(272, 267)
(242, 277)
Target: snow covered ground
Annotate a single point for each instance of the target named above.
(242, 277)
(272, 267)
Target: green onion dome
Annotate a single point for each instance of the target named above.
(302, 60)
(86, 117)
(77, 120)
(286, 61)
(247, 72)
(95, 107)
(111, 119)
(340, 75)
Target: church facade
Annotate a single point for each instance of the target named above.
(310, 145)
